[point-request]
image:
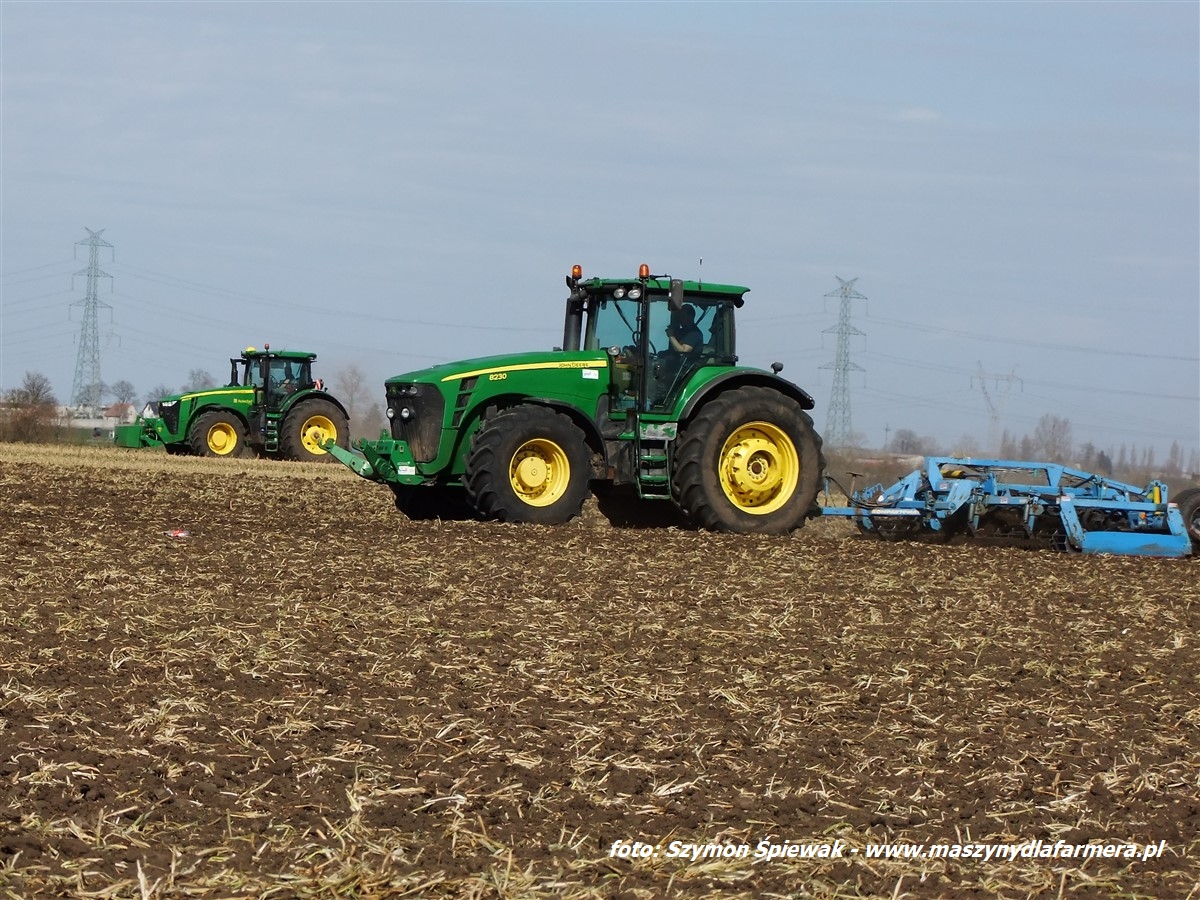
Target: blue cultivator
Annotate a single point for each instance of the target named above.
(1023, 503)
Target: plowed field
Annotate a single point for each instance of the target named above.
(308, 695)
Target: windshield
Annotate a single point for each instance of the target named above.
(613, 323)
(289, 373)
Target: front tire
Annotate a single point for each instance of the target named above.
(528, 464)
(217, 433)
(308, 425)
(750, 463)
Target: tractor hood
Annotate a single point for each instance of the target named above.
(173, 399)
(504, 363)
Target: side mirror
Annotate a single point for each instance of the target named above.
(676, 298)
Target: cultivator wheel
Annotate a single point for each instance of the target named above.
(1189, 508)
(218, 433)
(889, 529)
(528, 464)
(308, 425)
(749, 462)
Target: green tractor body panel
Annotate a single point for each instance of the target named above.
(175, 413)
(272, 399)
(642, 358)
(435, 411)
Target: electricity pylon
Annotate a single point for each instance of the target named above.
(87, 391)
(837, 424)
(995, 400)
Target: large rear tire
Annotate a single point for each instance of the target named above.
(310, 423)
(218, 433)
(528, 464)
(1189, 508)
(750, 463)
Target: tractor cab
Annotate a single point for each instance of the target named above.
(274, 376)
(658, 332)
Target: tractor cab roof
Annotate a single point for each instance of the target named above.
(266, 351)
(732, 293)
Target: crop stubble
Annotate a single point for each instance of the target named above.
(312, 696)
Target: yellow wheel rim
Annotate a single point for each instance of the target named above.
(315, 430)
(759, 468)
(539, 472)
(222, 439)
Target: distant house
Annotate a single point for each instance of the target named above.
(119, 414)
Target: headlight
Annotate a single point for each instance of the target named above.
(634, 293)
(619, 293)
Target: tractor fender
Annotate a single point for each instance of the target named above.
(587, 425)
(734, 380)
(304, 396)
(199, 410)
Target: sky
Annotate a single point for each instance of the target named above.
(1015, 187)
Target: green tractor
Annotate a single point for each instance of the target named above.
(645, 398)
(272, 406)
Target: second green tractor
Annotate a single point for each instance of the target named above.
(645, 397)
(273, 406)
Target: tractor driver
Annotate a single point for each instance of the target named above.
(683, 334)
(685, 344)
(289, 382)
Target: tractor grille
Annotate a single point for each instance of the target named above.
(170, 415)
(422, 428)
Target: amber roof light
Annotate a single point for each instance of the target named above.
(644, 270)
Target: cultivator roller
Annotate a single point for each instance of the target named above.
(1021, 503)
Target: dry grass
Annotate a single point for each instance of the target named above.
(311, 696)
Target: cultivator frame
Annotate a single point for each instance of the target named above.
(1023, 503)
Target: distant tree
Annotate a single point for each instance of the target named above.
(907, 441)
(369, 424)
(1008, 446)
(1104, 464)
(350, 386)
(1175, 459)
(966, 445)
(1087, 456)
(32, 410)
(1052, 438)
(159, 390)
(123, 392)
(198, 380)
(35, 390)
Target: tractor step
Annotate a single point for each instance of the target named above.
(653, 473)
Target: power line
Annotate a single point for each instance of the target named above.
(1025, 342)
(1057, 385)
(996, 339)
(336, 311)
